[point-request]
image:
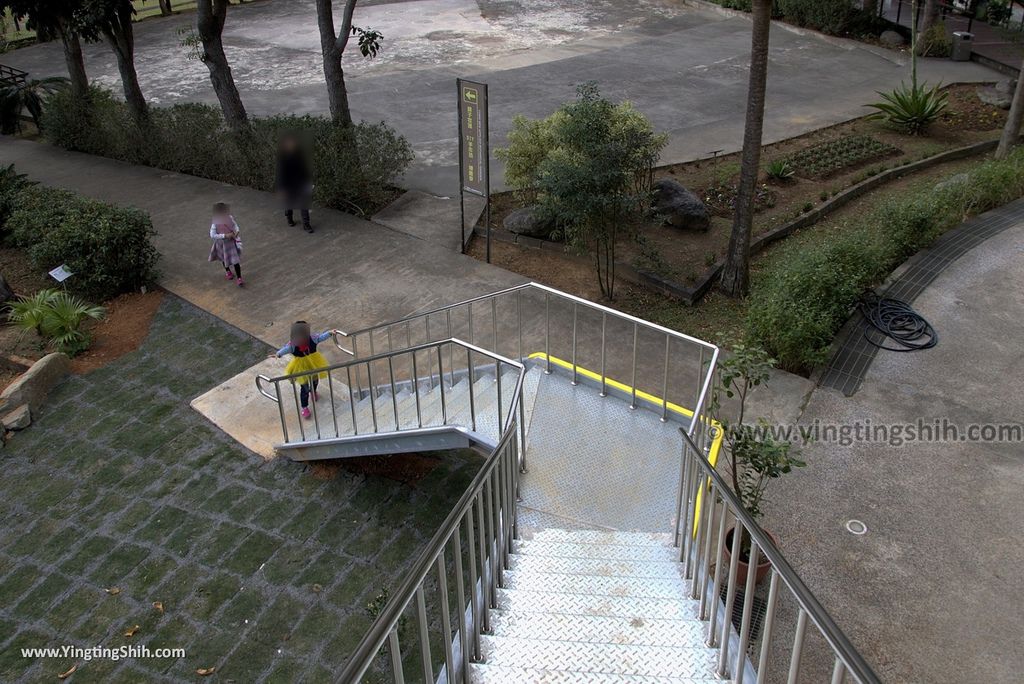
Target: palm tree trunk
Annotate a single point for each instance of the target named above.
(1011, 131)
(332, 45)
(736, 273)
(165, 7)
(212, 14)
(74, 60)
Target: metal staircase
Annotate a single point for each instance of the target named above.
(491, 602)
(585, 606)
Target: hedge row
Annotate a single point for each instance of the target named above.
(108, 249)
(354, 167)
(800, 301)
(837, 17)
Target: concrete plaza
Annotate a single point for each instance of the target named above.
(682, 64)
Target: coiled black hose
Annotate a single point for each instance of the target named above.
(897, 321)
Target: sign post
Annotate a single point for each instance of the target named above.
(474, 152)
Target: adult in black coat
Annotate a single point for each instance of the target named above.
(294, 181)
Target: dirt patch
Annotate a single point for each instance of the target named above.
(404, 468)
(122, 331)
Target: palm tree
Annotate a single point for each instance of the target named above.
(736, 273)
(26, 96)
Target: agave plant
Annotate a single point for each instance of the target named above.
(779, 170)
(58, 317)
(911, 108)
(26, 96)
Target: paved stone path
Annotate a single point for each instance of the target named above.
(683, 65)
(263, 571)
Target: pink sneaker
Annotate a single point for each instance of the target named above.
(241, 282)
(306, 414)
(229, 275)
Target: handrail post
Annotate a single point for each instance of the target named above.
(472, 381)
(440, 375)
(769, 623)
(334, 412)
(351, 399)
(416, 391)
(575, 313)
(547, 333)
(604, 378)
(632, 383)
(664, 382)
(394, 390)
(280, 410)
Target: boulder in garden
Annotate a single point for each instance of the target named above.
(678, 206)
(529, 221)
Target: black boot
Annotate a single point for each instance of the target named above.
(291, 219)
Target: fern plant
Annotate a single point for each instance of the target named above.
(911, 108)
(57, 317)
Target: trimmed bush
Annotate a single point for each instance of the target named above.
(353, 167)
(107, 248)
(803, 297)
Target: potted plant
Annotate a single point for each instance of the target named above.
(754, 456)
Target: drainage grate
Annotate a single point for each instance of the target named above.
(757, 614)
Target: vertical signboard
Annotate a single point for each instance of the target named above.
(474, 151)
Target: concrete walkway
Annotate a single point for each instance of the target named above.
(683, 65)
(349, 274)
(930, 593)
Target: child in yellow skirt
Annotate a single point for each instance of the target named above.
(305, 358)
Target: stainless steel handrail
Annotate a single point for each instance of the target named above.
(708, 353)
(501, 511)
(704, 488)
(358, 363)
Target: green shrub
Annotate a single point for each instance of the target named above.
(828, 16)
(998, 11)
(804, 295)
(353, 167)
(107, 248)
(911, 108)
(11, 185)
(936, 42)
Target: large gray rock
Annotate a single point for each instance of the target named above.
(18, 419)
(892, 39)
(678, 206)
(32, 386)
(1000, 95)
(528, 221)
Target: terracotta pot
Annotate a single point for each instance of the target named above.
(763, 565)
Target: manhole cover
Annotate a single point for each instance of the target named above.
(856, 527)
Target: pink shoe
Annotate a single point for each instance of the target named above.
(241, 282)
(229, 275)
(306, 414)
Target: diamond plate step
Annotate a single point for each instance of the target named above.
(583, 604)
(652, 552)
(496, 674)
(596, 585)
(575, 656)
(594, 629)
(599, 537)
(607, 567)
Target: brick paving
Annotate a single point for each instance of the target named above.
(264, 571)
